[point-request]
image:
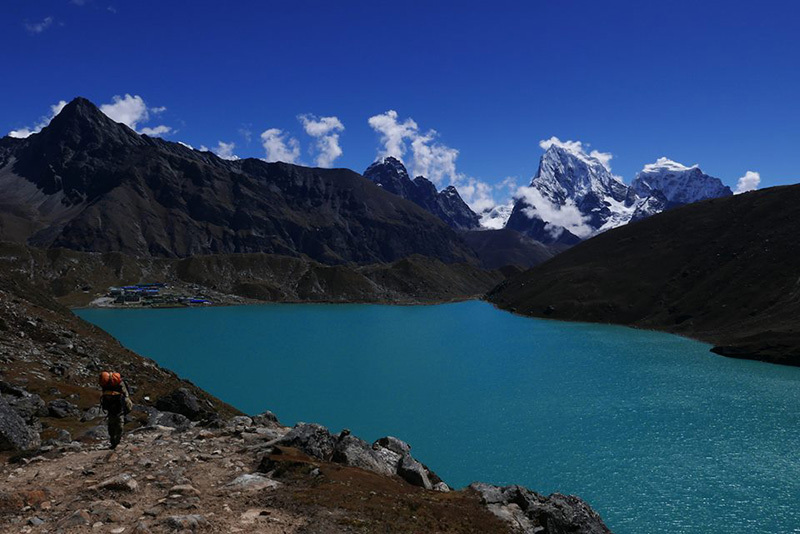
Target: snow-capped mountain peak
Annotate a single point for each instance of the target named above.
(678, 183)
(574, 195)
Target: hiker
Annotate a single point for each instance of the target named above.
(116, 402)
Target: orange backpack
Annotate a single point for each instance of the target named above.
(109, 380)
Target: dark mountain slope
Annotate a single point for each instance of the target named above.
(726, 271)
(498, 248)
(88, 183)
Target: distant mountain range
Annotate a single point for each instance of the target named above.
(573, 196)
(87, 183)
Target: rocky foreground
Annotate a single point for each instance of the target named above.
(254, 475)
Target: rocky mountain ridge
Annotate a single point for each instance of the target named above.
(87, 183)
(390, 174)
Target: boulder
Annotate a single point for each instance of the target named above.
(15, 434)
(313, 439)
(181, 401)
(172, 420)
(355, 452)
(168, 419)
(123, 483)
(185, 522)
(92, 413)
(252, 482)
(107, 511)
(393, 444)
(62, 408)
(535, 513)
(414, 472)
(79, 518)
(27, 405)
(266, 419)
(98, 432)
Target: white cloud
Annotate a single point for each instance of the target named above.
(393, 133)
(223, 150)
(477, 194)
(155, 132)
(55, 109)
(557, 217)
(509, 182)
(435, 161)
(748, 182)
(325, 131)
(278, 147)
(577, 148)
(247, 133)
(39, 27)
(666, 164)
(131, 110)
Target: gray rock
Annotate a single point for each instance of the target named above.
(181, 401)
(535, 513)
(184, 489)
(252, 482)
(108, 511)
(393, 444)
(15, 435)
(355, 452)
(169, 419)
(77, 519)
(414, 472)
(27, 405)
(442, 487)
(266, 419)
(92, 413)
(123, 482)
(99, 432)
(185, 522)
(313, 439)
(62, 408)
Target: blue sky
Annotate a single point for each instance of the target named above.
(692, 81)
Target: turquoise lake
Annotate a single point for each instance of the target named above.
(654, 431)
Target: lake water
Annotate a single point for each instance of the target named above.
(655, 432)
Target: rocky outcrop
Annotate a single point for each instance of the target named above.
(184, 402)
(388, 456)
(531, 513)
(390, 174)
(15, 434)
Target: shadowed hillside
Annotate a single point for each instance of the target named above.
(726, 271)
(87, 183)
